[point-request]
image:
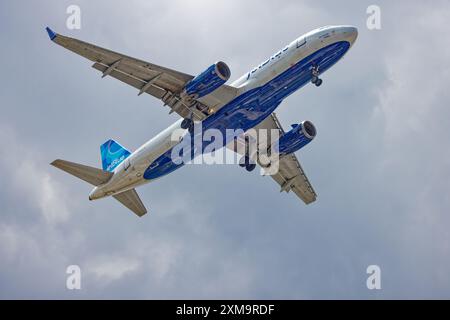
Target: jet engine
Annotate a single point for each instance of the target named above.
(208, 81)
(298, 137)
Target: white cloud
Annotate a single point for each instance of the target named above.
(32, 182)
(110, 268)
(418, 75)
(414, 157)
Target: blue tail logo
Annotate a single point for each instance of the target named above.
(113, 154)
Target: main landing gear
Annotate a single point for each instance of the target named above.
(187, 123)
(247, 164)
(315, 76)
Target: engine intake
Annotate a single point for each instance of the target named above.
(308, 129)
(208, 81)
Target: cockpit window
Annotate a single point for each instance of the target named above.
(301, 42)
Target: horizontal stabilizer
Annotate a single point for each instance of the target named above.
(131, 200)
(91, 175)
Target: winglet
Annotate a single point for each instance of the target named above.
(51, 33)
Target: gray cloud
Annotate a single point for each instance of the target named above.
(380, 162)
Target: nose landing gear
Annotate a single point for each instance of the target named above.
(315, 76)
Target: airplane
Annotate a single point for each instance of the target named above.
(249, 102)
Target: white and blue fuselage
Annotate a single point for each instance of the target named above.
(260, 91)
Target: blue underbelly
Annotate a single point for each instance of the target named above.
(252, 107)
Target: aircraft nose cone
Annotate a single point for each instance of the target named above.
(350, 33)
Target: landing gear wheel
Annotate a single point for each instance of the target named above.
(318, 83)
(250, 167)
(244, 162)
(315, 74)
(191, 128)
(186, 123)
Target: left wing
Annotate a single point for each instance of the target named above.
(162, 83)
(290, 175)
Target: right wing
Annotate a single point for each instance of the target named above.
(162, 83)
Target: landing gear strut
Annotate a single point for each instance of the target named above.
(315, 76)
(187, 123)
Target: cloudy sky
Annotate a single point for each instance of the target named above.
(380, 163)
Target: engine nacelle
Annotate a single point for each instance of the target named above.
(208, 81)
(298, 137)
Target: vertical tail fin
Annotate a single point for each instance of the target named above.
(113, 154)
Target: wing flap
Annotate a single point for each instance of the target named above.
(291, 177)
(166, 96)
(133, 81)
(131, 200)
